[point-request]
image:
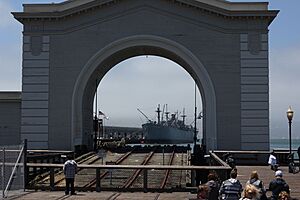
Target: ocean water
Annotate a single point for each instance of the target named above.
(284, 144)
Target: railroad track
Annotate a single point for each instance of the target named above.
(115, 196)
(44, 177)
(137, 172)
(127, 179)
(118, 161)
(164, 182)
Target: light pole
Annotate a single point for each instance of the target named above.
(290, 115)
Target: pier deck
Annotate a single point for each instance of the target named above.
(265, 174)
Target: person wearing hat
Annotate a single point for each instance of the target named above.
(278, 185)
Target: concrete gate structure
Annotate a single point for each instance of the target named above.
(68, 46)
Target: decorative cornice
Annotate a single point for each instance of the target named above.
(57, 11)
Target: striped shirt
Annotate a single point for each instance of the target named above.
(231, 189)
(70, 168)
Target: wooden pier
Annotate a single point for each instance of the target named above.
(265, 174)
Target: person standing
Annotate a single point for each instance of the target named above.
(273, 161)
(70, 169)
(213, 185)
(250, 193)
(278, 185)
(231, 189)
(284, 196)
(298, 151)
(202, 192)
(254, 180)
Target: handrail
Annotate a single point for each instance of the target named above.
(144, 168)
(159, 167)
(219, 160)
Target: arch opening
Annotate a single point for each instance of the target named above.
(144, 82)
(99, 65)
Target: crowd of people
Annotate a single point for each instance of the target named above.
(232, 189)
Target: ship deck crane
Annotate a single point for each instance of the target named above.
(144, 115)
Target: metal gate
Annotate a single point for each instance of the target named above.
(11, 170)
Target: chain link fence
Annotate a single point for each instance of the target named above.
(11, 170)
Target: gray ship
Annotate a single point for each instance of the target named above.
(168, 131)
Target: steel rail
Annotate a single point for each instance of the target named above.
(131, 179)
(164, 182)
(118, 161)
(90, 158)
(44, 176)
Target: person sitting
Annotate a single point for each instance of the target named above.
(250, 193)
(273, 161)
(278, 185)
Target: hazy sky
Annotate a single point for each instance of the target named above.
(139, 91)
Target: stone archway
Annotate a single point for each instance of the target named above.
(222, 44)
(139, 45)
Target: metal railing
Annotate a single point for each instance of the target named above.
(113, 177)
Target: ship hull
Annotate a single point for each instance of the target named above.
(154, 133)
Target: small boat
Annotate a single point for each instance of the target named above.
(169, 131)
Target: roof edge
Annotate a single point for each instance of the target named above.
(71, 4)
(71, 7)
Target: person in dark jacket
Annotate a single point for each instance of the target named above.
(278, 185)
(231, 188)
(213, 185)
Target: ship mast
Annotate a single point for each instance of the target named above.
(183, 116)
(167, 114)
(162, 114)
(158, 114)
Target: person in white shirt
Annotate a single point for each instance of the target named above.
(273, 161)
